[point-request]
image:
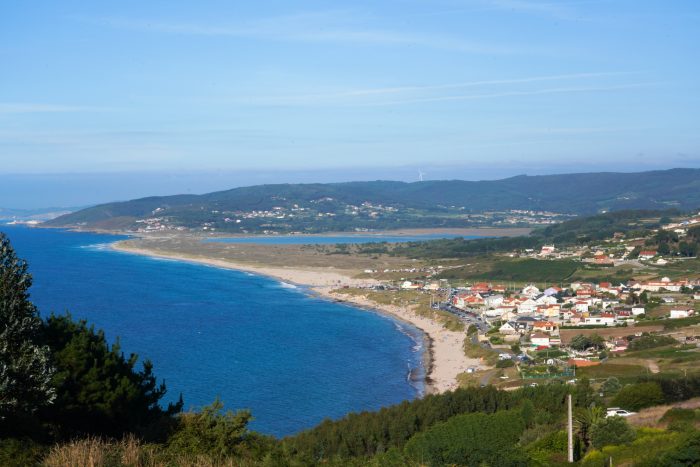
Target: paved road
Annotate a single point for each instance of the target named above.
(466, 317)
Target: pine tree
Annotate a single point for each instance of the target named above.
(25, 368)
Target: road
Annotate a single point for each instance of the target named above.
(467, 317)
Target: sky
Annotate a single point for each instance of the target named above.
(214, 94)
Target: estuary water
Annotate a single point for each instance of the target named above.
(256, 343)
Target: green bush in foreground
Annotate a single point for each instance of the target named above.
(611, 431)
(216, 434)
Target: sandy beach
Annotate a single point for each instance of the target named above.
(446, 353)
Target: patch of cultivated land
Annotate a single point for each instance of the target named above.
(608, 333)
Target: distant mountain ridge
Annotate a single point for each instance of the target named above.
(580, 194)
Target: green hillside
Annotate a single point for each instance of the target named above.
(390, 205)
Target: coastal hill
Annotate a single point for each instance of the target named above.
(389, 204)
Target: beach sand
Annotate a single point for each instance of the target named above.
(446, 354)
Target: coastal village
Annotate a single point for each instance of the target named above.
(531, 332)
(549, 332)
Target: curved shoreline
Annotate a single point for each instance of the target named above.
(444, 355)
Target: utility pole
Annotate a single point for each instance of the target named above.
(570, 431)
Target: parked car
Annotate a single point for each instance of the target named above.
(618, 412)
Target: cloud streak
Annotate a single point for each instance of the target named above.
(369, 92)
(536, 92)
(356, 96)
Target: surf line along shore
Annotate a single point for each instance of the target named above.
(445, 350)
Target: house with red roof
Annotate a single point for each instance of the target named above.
(481, 288)
(647, 254)
(545, 326)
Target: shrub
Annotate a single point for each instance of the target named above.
(210, 432)
(638, 396)
(686, 453)
(19, 452)
(679, 414)
(611, 431)
(545, 446)
(507, 363)
(650, 342)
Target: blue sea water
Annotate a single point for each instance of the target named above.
(291, 358)
(332, 239)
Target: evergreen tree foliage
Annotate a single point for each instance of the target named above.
(25, 368)
(472, 439)
(99, 391)
(368, 433)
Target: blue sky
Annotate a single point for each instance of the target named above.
(477, 88)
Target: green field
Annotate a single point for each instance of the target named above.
(516, 270)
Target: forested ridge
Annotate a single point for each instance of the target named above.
(426, 204)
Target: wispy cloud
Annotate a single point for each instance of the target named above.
(330, 26)
(534, 92)
(382, 96)
(396, 90)
(21, 108)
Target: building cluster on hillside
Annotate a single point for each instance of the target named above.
(521, 216)
(156, 224)
(536, 315)
(581, 304)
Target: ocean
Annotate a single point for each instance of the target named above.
(291, 358)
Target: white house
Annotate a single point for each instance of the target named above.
(531, 291)
(603, 319)
(545, 300)
(681, 313)
(508, 328)
(638, 310)
(493, 301)
(539, 339)
(528, 306)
